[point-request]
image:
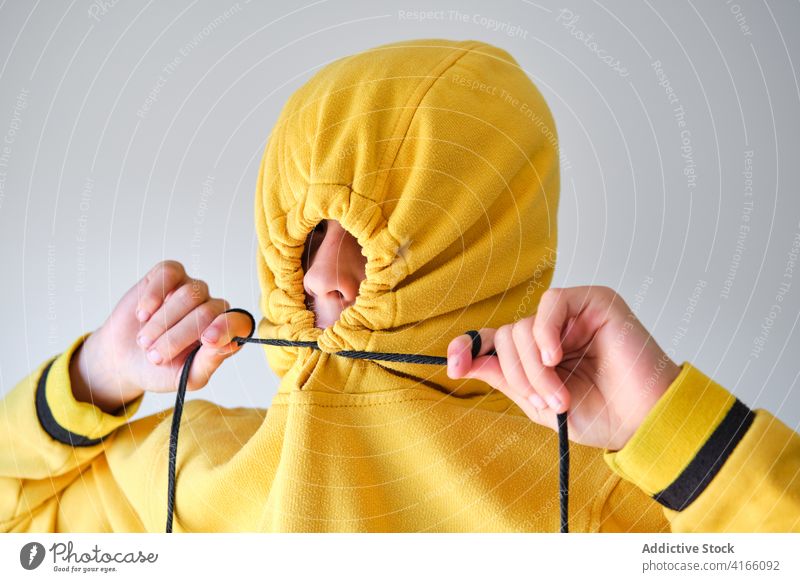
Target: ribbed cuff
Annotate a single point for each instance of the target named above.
(684, 440)
(67, 420)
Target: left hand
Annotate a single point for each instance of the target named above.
(600, 364)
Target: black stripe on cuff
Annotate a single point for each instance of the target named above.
(49, 423)
(709, 459)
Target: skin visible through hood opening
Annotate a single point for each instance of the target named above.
(333, 268)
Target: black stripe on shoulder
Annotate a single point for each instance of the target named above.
(49, 423)
(709, 459)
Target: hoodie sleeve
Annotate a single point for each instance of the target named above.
(712, 463)
(49, 439)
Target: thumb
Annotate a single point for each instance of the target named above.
(484, 366)
(206, 361)
(217, 344)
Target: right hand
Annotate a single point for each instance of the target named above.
(174, 313)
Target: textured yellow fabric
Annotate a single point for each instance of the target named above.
(758, 490)
(81, 417)
(674, 430)
(441, 157)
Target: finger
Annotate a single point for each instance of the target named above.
(555, 308)
(515, 377)
(206, 361)
(459, 351)
(224, 328)
(210, 356)
(179, 304)
(568, 333)
(185, 332)
(546, 385)
(163, 278)
(487, 369)
(545, 416)
(486, 365)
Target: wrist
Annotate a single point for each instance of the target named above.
(66, 419)
(89, 383)
(684, 440)
(653, 388)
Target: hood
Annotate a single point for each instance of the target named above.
(441, 158)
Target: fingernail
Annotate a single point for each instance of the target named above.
(154, 356)
(553, 401)
(142, 315)
(211, 334)
(451, 369)
(537, 401)
(143, 340)
(546, 358)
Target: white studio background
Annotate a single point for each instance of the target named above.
(131, 132)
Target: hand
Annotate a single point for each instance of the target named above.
(171, 313)
(584, 352)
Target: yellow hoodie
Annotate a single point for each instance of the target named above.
(441, 157)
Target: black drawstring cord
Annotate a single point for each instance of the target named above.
(563, 440)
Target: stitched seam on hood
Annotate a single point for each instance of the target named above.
(443, 66)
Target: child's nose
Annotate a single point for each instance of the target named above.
(331, 276)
